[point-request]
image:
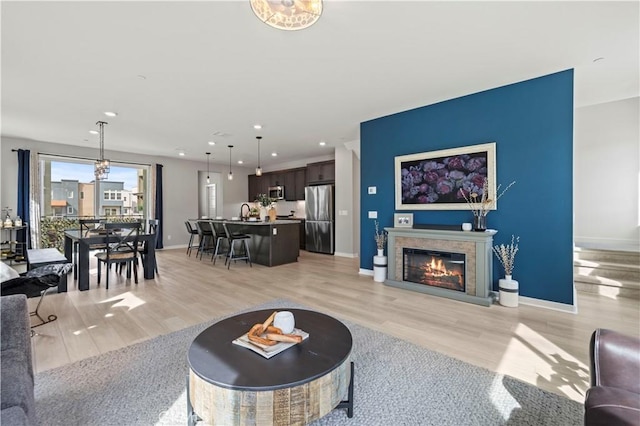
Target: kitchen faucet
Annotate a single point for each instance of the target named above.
(242, 217)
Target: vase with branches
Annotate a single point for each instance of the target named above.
(380, 236)
(506, 254)
(481, 204)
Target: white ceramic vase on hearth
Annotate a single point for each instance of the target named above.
(508, 292)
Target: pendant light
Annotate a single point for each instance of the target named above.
(230, 175)
(102, 165)
(208, 154)
(258, 169)
(287, 15)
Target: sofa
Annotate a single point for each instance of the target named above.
(614, 396)
(17, 393)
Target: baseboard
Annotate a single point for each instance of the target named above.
(363, 271)
(606, 244)
(183, 246)
(546, 304)
(349, 255)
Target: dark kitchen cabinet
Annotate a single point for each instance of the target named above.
(289, 185)
(257, 185)
(322, 172)
(300, 178)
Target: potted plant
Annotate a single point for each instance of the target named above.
(508, 287)
(265, 203)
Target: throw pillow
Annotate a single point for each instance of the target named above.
(58, 269)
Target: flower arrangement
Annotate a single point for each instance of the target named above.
(506, 254)
(381, 237)
(481, 204)
(264, 200)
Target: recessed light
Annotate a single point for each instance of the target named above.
(181, 153)
(274, 154)
(322, 143)
(110, 113)
(93, 132)
(240, 162)
(257, 126)
(211, 143)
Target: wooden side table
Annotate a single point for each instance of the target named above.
(232, 385)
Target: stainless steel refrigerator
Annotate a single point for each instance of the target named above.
(319, 212)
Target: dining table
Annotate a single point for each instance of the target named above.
(86, 239)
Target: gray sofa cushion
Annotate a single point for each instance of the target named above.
(15, 351)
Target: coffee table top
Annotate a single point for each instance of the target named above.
(215, 359)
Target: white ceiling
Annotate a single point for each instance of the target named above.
(212, 67)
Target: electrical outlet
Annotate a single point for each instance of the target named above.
(372, 190)
(373, 215)
(168, 237)
(275, 231)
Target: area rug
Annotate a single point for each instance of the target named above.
(396, 383)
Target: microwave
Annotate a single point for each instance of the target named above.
(276, 192)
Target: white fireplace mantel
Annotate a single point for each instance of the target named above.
(475, 245)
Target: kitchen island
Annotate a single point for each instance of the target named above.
(272, 243)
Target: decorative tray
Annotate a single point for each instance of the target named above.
(269, 351)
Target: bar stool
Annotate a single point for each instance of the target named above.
(232, 238)
(205, 233)
(220, 235)
(192, 233)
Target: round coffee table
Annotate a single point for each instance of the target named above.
(232, 385)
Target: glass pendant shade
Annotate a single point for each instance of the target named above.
(288, 15)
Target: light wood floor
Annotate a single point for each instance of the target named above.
(546, 348)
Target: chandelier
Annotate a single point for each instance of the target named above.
(102, 165)
(287, 14)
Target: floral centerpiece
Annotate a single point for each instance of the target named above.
(381, 237)
(507, 254)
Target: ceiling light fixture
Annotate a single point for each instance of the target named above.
(257, 126)
(93, 132)
(240, 162)
(181, 153)
(287, 15)
(211, 143)
(208, 154)
(110, 113)
(230, 175)
(258, 169)
(274, 154)
(322, 143)
(102, 165)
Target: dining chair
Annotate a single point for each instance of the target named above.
(205, 233)
(232, 237)
(192, 233)
(86, 226)
(121, 242)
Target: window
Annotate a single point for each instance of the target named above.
(118, 195)
(82, 195)
(70, 194)
(69, 209)
(106, 195)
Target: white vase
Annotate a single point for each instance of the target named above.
(263, 213)
(380, 267)
(508, 292)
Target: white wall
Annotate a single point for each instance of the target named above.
(180, 179)
(344, 244)
(607, 175)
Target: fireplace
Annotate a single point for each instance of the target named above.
(472, 248)
(434, 268)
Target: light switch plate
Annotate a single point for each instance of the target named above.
(372, 189)
(275, 231)
(373, 215)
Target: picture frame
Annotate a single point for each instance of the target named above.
(403, 220)
(433, 180)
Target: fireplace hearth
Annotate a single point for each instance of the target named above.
(435, 268)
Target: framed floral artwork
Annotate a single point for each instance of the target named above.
(440, 180)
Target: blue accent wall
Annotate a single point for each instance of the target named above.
(531, 123)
